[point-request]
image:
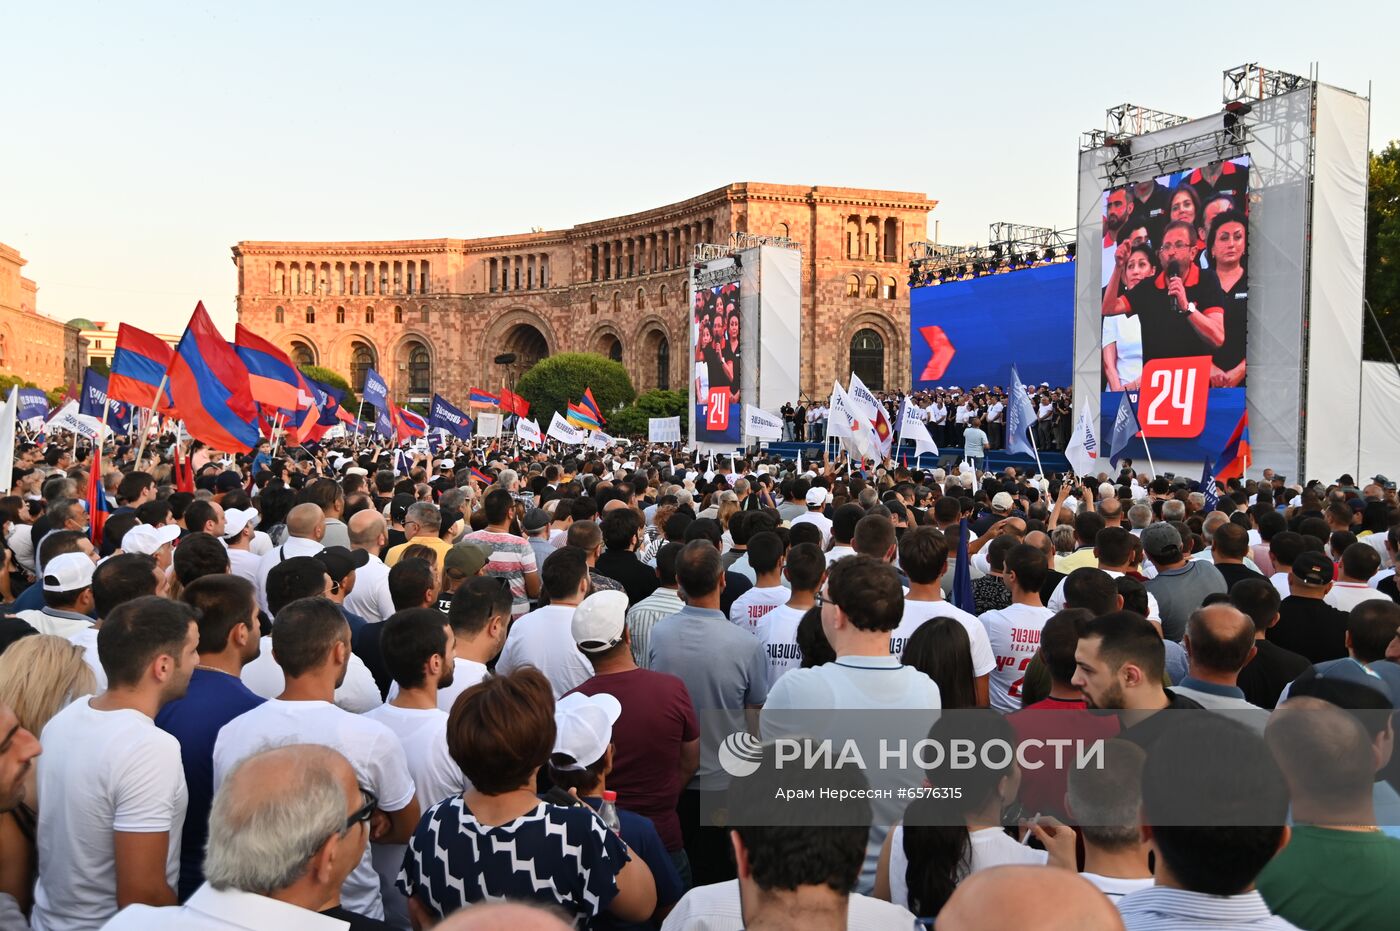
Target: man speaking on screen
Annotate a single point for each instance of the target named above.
(1181, 309)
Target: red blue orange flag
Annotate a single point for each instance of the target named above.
(272, 378)
(592, 406)
(1235, 457)
(209, 385)
(480, 398)
(138, 364)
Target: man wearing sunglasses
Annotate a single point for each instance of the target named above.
(259, 874)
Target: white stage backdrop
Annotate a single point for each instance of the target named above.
(1380, 428)
(779, 326)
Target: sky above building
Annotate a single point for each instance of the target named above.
(144, 139)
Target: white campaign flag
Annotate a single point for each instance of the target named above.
(68, 418)
(912, 427)
(529, 431)
(762, 425)
(1083, 448)
(850, 425)
(663, 429)
(839, 421)
(597, 439)
(879, 419)
(565, 432)
(7, 439)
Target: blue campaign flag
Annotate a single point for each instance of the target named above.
(1208, 487)
(962, 574)
(376, 391)
(1125, 427)
(94, 396)
(384, 426)
(32, 402)
(443, 416)
(327, 400)
(1020, 417)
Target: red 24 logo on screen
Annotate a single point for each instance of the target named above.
(1173, 397)
(717, 410)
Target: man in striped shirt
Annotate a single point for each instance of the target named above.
(662, 603)
(511, 557)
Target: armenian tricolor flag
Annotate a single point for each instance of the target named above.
(480, 398)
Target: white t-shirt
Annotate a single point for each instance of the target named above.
(101, 772)
(917, 612)
(544, 639)
(244, 564)
(990, 847)
(1014, 633)
(750, 607)
(815, 517)
(372, 749)
(295, 546)
(357, 694)
(465, 674)
(1346, 595)
(423, 734)
(778, 631)
(1125, 330)
(1114, 887)
(716, 907)
(370, 597)
(1057, 598)
(87, 639)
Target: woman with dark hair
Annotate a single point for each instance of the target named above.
(958, 829)
(498, 840)
(941, 650)
(1185, 205)
(1226, 245)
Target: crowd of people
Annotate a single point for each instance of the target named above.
(314, 691)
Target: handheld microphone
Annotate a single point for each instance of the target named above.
(1174, 271)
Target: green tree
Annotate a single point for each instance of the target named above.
(632, 420)
(1383, 254)
(326, 376)
(10, 381)
(552, 383)
(100, 366)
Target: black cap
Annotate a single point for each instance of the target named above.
(398, 507)
(340, 562)
(1313, 568)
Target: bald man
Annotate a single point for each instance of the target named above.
(1219, 642)
(1053, 577)
(1046, 898)
(259, 841)
(370, 598)
(514, 915)
(306, 527)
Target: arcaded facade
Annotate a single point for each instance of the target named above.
(34, 347)
(434, 314)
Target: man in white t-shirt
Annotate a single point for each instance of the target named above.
(816, 502)
(805, 569)
(923, 555)
(370, 597)
(765, 552)
(1359, 563)
(239, 526)
(417, 646)
(113, 789)
(306, 526)
(1014, 631)
(479, 617)
(311, 642)
(1113, 548)
(542, 638)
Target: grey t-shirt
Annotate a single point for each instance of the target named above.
(1181, 591)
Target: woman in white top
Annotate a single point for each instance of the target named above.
(943, 840)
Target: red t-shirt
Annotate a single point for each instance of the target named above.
(1043, 789)
(657, 717)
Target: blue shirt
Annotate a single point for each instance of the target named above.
(214, 698)
(31, 599)
(640, 834)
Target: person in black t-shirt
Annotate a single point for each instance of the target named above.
(1226, 245)
(1181, 310)
(1263, 678)
(1151, 207)
(1221, 179)
(1118, 206)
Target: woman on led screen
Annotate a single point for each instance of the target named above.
(1186, 207)
(1122, 333)
(1227, 243)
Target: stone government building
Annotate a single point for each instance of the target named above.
(432, 314)
(34, 347)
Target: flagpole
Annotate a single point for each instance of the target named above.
(1150, 467)
(145, 435)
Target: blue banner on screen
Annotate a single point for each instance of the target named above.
(967, 333)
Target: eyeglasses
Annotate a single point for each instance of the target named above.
(364, 812)
(821, 600)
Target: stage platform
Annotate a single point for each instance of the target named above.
(996, 459)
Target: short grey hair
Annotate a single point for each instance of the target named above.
(1212, 523)
(452, 499)
(262, 841)
(507, 477)
(1139, 516)
(1173, 510)
(1063, 538)
(424, 514)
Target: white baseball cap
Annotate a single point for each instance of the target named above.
(235, 519)
(816, 497)
(69, 572)
(599, 621)
(583, 725)
(145, 539)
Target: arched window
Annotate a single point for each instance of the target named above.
(872, 286)
(853, 237)
(311, 315)
(663, 364)
(593, 305)
(615, 351)
(889, 292)
(279, 316)
(422, 315)
(398, 314)
(868, 358)
(302, 354)
(420, 369)
(891, 239)
(362, 359)
(661, 298)
(279, 278)
(340, 315)
(641, 298)
(369, 315)
(617, 302)
(853, 286)
(782, 231)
